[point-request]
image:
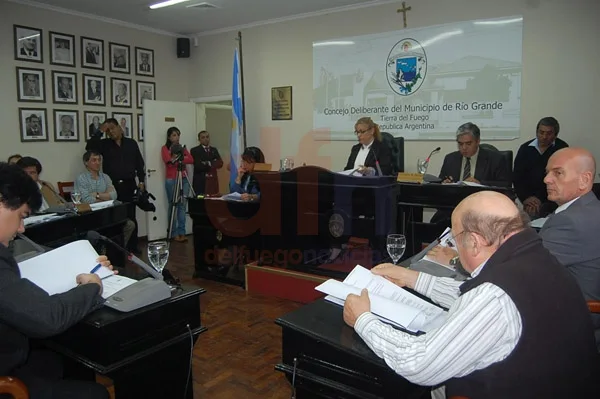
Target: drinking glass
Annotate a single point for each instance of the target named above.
(422, 166)
(396, 244)
(158, 254)
(76, 197)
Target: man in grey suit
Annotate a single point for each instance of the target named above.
(572, 232)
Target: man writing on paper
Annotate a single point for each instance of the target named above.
(519, 328)
(27, 311)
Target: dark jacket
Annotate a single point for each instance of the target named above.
(123, 162)
(490, 170)
(205, 177)
(530, 170)
(249, 185)
(27, 311)
(379, 151)
(555, 356)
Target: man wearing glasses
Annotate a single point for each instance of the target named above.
(519, 328)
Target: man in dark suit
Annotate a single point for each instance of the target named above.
(471, 163)
(27, 311)
(206, 162)
(369, 151)
(571, 232)
(530, 168)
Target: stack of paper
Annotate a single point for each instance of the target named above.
(101, 205)
(389, 302)
(40, 218)
(232, 197)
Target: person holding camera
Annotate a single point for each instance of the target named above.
(122, 162)
(175, 158)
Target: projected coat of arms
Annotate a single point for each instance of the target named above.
(406, 67)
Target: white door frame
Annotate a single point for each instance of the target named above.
(211, 99)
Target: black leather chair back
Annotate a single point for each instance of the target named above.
(396, 146)
(506, 155)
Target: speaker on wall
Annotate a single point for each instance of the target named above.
(183, 47)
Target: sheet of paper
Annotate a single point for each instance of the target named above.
(538, 223)
(40, 218)
(472, 184)
(55, 271)
(232, 197)
(101, 205)
(446, 241)
(347, 172)
(114, 284)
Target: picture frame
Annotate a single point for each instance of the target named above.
(119, 58)
(28, 43)
(92, 121)
(144, 62)
(125, 120)
(66, 125)
(145, 91)
(33, 124)
(31, 85)
(92, 53)
(94, 90)
(64, 87)
(120, 92)
(281, 103)
(140, 127)
(62, 49)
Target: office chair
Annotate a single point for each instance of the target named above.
(396, 146)
(14, 387)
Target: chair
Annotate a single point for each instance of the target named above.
(506, 155)
(14, 387)
(65, 188)
(396, 146)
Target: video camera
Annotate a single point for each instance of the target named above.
(142, 199)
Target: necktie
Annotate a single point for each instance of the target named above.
(467, 172)
(206, 149)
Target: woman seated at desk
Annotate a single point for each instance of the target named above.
(369, 151)
(245, 183)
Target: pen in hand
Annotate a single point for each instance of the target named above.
(95, 269)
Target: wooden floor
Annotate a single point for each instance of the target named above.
(235, 358)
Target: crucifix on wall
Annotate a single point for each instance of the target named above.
(404, 10)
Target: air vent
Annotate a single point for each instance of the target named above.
(202, 6)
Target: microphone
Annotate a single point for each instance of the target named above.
(431, 153)
(377, 164)
(94, 236)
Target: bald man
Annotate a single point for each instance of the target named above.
(571, 233)
(518, 328)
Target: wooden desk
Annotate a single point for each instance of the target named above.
(332, 361)
(145, 352)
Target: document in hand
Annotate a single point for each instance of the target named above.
(232, 197)
(446, 240)
(55, 271)
(392, 304)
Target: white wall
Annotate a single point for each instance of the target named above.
(560, 73)
(62, 161)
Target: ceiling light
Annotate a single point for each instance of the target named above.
(333, 43)
(166, 4)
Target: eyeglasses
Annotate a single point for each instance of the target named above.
(361, 132)
(452, 239)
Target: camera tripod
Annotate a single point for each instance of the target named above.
(178, 194)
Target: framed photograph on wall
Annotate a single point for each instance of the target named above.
(145, 91)
(92, 53)
(64, 87)
(66, 125)
(28, 43)
(140, 127)
(144, 62)
(93, 120)
(94, 90)
(62, 49)
(33, 123)
(126, 122)
(121, 92)
(30, 85)
(119, 58)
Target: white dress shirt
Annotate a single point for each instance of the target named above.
(473, 165)
(44, 202)
(565, 205)
(361, 157)
(483, 327)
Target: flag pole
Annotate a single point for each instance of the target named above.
(239, 38)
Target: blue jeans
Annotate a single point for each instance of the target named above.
(178, 228)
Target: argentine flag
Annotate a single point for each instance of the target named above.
(237, 121)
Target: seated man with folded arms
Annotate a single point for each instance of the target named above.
(50, 196)
(27, 311)
(95, 186)
(512, 331)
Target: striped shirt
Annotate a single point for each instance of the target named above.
(483, 327)
(87, 186)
